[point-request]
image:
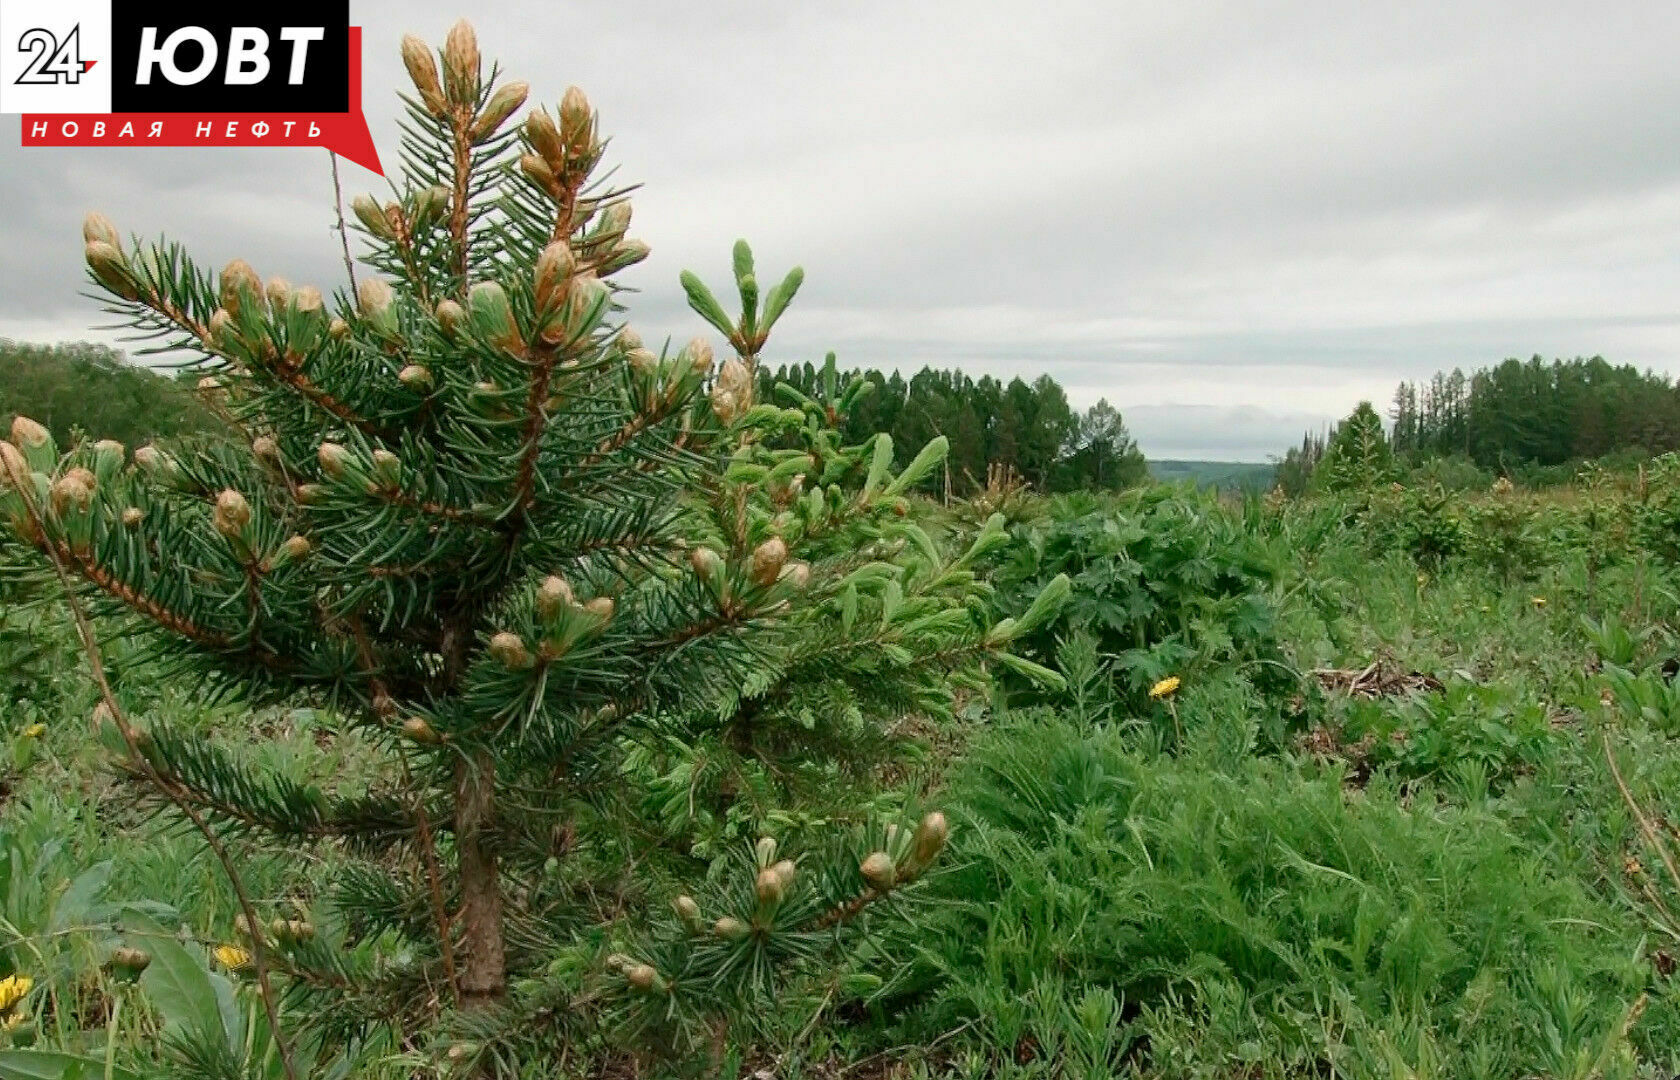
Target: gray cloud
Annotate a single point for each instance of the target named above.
(1234, 221)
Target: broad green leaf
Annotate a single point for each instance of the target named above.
(176, 981)
(53, 1065)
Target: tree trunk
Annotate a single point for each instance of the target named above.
(484, 973)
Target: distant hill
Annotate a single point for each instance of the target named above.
(1223, 475)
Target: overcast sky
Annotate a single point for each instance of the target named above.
(1232, 220)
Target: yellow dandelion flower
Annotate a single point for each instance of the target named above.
(34, 731)
(1164, 687)
(13, 989)
(12, 1022)
(1538, 601)
(231, 957)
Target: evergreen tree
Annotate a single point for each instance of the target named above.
(1357, 457)
(520, 551)
(1103, 456)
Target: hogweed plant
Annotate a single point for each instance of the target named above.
(470, 509)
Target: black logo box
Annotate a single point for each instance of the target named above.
(326, 76)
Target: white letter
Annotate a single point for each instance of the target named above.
(38, 129)
(203, 129)
(300, 37)
(70, 129)
(99, 129)
(152, 55)
(127, 131)
(233, 129)
(314, 131)
(247, 62)
(157, 130)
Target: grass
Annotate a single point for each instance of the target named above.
(1277, 871)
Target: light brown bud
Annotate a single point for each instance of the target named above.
(132, 517)
(461, 64)
(627, 253)
(130, 960)
(374, 295)
(279, 294)
(931, 835)
(510, 650)
(705, 561)
(769, 887)
(310, 493)
(14, 469)
(387, 467)
(553, 271)
(699, 354)
(238, 281)
(787, 871)
(98, 227)
(155, 462)
(642, 361)
(628, 339)
(577, 122)
(416, 728)
(553, 596)
(615, 219)
(422, 68)
(111, 268)
(27, 434)
(544, 138)
(601, 607)
(767, 560)
(338, 329)
(736, 379)
(502, 104)
(730, 928)
(307, 299)
(764, 851)
(878, 870)
(688, 911)
(723, 405)
(266, 448)
(533, 166)
(232, 513)
(297, 547)
(429, 204)
(333, 457)
(450, 316)
(221, 330)
(372, 216)
(416, 377)
(797, 574)
(72, 491)
(641, 976)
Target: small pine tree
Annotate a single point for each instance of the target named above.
(1357, 457)
(511, 543)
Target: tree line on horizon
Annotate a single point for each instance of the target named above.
(1027, 428)
(1532, 418)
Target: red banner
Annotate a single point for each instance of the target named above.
(345, 134)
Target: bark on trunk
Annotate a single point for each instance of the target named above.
(484, 973)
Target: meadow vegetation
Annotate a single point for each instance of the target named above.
(724, 736)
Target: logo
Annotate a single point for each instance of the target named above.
(53, 63)
(136, 73)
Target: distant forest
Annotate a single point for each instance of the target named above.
(1531, 419)
(1028, 427)
(91, 388)
(1537, 412)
